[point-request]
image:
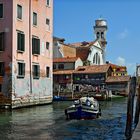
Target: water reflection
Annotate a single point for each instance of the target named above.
(48, 123)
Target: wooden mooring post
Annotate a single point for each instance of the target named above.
(137, 111)
(130, 105)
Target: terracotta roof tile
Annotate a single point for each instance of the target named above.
(61, 72)
(92, 69)
(116, 66)
(65, 59)
(114, 79)
(82, 44)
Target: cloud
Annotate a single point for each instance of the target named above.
(131, 67)
(123, 34)
(120, 61)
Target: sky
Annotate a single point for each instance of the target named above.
(74, 21)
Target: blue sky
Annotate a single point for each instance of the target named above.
(74, 21)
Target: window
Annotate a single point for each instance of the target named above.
(48, 2)
(47, 45)
(36, 71)
(98, 35)
(20, 41)
(19, 11)
(102, 35)
(54, 66)
(1, 10)
(61, 66)
(35, 45)
(34, 18)
(2, 69)
(2, 41)
(47, 21)
(0, 88)
(21, 70)
(48, 71)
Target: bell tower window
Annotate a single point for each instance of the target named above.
(102, 35)
(98, 35)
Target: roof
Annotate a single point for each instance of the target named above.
(92, 69)
(59, 39)
(61, 72)
(82, 44)
(114, 79)
(116, 66)
(65, 59)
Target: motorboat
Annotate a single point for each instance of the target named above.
(84, 108)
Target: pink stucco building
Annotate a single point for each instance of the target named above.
(26, 28)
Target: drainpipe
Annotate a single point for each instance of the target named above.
(30, 44)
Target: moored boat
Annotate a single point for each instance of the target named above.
(84, 108)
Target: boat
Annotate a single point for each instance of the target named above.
(84, 108)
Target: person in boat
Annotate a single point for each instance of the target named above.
(88, 103)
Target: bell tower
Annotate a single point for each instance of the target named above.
(100, 30)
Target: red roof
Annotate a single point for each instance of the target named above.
(114, 79)
(65, 59)
(61, 72)
(116, 66)
(92, 69)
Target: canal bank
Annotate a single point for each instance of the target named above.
(49, 122)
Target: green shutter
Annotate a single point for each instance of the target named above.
(38, 71)
(33, 46)
(22, 42)
(38, 46)
(23, 69)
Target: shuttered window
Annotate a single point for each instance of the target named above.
(48, 71)
(47, 45)
(34, 18)
(2, 41)
(48, 2)
(1, 10)
(20, 41)
(35, 46)
(19, 11)
(2, 69)
(36, 71)
(21, 70)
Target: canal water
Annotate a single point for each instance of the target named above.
(48, 123)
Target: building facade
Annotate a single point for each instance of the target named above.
(26, 52)
(63, 69)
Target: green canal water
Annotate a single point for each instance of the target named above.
(48, 123)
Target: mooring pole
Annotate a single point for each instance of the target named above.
(137, 112)
(130, 104)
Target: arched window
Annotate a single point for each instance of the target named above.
(102, 35)
(98, 35)
(96, 59)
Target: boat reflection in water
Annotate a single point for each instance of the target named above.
(84, 108)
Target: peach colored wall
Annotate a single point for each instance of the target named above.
(42, 87)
